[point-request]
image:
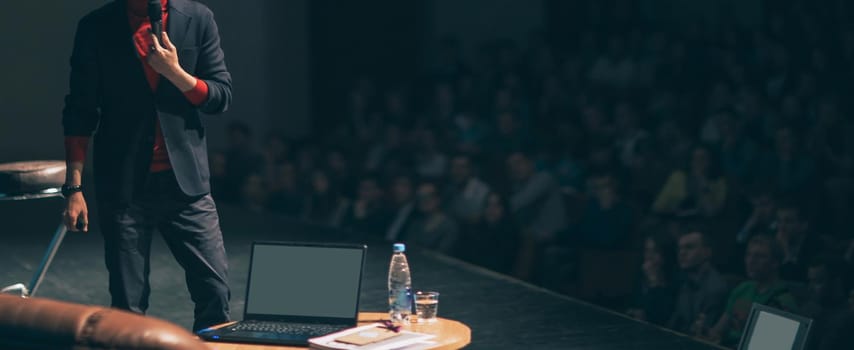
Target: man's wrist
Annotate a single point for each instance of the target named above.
(181, 79)
(70, 189)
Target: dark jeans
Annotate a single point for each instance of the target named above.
(190, 227)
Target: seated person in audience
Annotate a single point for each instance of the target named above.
(700, 190)
(606, 221)
(286, 197)
(323, 205)
(655, 294)
(466, 194)
(432, 228)
(253, 192)
(537, 205)
(762, 264)
(430, 162)
(701, 290)
(367, 214)
(798, 243)
(241, 159)
(788, 168)
(402, 206)
(498, 232)
(762, 220)
(823, 297)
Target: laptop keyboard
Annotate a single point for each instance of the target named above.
(309, 329)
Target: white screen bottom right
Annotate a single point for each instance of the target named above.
(772, 332)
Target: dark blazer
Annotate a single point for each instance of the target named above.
(110, 97)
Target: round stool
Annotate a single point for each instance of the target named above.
(33, 180)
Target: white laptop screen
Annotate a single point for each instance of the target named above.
(311, 281)
(773, 332)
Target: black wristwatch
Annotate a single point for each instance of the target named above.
(68, 190)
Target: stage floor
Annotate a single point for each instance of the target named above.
(503, 313)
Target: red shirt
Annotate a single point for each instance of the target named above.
(75, 146)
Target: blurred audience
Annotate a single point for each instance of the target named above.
(539, 153)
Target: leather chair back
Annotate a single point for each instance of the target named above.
(36, 323)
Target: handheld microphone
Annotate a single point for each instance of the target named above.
(155, 15)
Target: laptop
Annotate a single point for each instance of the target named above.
(770, 328)
(297, 291)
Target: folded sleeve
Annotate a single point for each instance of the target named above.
(212, 69)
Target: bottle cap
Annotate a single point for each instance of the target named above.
(399, 247)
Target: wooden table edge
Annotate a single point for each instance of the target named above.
(461, 331)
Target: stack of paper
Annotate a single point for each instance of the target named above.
(404, 340)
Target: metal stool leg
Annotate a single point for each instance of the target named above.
(20, 181)
(20, 288)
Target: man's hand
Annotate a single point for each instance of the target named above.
(76, 211)
(164, 60)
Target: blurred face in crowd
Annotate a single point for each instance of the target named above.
(494, 211)
(275, 146)
(759, 262)
(827, 113)
(601, 157)
(357, 101)
(693, 251)
(785, 142)
(460, 169)
(369, 191)
(727, 126)
(253, 190)
(428, 141)
(700, 162)
(790, 107)
(763, 207)
(217, 164)
(594, 119)
(652, 253)
(503, 100)
(444, 97)
(336, 161)
(237, 138)
(506, 123)
(520, 167)
(395, 104)
(817, 280)
(625, 117)
(604, 188)
(790, 224)
(401, 190)
(319, 182)
(392, 136)
(428, 199)
(287, 175)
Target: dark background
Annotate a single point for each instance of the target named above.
(290, 59)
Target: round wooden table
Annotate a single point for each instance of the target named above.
(450, 334)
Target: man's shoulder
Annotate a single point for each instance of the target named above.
(191, 8)
(102, 13)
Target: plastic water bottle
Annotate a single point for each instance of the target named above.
(399, 286)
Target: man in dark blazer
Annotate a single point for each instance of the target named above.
(142, 97)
